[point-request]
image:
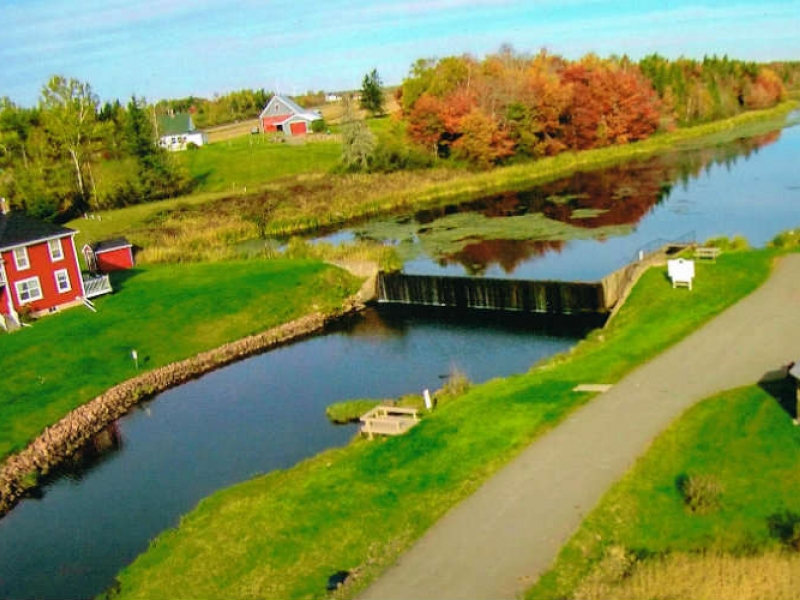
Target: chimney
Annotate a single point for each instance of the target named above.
(3, 206)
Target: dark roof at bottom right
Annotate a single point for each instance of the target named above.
(795, 370)
(108, 245)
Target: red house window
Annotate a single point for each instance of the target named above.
(28, 290)
(21, 258)
(56, 251)
(62, 281)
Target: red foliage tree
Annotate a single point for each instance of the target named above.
(611, 104)
(426, 122)
(482, 142)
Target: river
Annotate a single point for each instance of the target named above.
(267, 412)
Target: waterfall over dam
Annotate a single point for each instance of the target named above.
(543, 297)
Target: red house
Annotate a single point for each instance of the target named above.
(109, 255)
(284, 115)
(39, 269)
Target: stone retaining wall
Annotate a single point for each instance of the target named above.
(56, 443)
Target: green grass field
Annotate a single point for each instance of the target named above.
(747, 444)
(282, 535)
(166, 313)
(251, 161)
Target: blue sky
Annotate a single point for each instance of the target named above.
(174, 48)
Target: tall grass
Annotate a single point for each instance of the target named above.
(774, 575)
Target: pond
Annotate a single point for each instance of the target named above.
(264, 413)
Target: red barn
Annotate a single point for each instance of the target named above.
(109, 255)
(284, 115)
(39, 269)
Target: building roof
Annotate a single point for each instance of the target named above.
(294, 109)
(794, 371)
(174, 124)
(17, 229)
(109, 245)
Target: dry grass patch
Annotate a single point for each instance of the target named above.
(772, 576)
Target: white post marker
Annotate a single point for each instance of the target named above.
(135, 357)
(428, 401)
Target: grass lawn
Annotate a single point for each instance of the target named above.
(744, 442)
(166, 313)
(253, 160)
(284, 534)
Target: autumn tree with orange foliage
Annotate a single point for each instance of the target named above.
(612, 103)
(518, 105)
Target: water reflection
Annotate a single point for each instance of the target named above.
(99, 449)
(534, 233)
(596, 200)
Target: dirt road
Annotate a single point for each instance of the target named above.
(496, 543)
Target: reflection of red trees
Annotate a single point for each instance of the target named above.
(509, 254)
(623, 195)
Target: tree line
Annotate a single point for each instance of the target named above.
(238, 105)
(69, 154)
(511, 105)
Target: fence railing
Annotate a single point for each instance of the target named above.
(96, 286)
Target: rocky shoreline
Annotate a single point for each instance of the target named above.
(19, 472)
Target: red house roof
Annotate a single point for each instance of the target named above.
(17, 230)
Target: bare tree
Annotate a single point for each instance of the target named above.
(70, 118)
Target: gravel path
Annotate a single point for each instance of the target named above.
(497, 542)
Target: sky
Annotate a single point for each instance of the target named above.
(176, 48)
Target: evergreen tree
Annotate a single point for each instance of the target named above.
(372, 93)
(157, 175)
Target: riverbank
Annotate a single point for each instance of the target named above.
(316, 519)
(210, 229)
(67, 432)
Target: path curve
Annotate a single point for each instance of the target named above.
(497, 542)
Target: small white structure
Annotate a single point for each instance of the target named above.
(681, 272)
(176, 132)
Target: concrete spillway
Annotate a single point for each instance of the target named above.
(544, 297)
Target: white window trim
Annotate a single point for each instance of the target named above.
(19, 285)
(23, 264)
(60, 254)
(61, 290)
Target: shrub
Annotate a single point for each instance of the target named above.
(737, 242)
(701, 493)
(319, 126)
(785, 526)
(457, 383)
(787, 239)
